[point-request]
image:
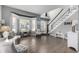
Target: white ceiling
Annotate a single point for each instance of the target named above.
(38, 9)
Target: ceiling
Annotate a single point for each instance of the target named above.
(38, 9)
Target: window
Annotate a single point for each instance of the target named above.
(24, 24)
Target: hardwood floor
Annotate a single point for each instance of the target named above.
(46, 44)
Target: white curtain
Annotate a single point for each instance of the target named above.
(33, 24)
(14, 22)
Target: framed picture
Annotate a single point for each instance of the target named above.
(67, 23)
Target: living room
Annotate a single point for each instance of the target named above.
(37, 29)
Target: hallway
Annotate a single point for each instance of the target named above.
(46, 44)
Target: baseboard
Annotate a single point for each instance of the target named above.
(58, 37)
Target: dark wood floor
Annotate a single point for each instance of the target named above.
(46, 44)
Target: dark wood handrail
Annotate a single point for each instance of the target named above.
(56, 16)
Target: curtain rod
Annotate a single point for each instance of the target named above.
(24, 15)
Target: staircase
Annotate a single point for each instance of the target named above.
(63, 16)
